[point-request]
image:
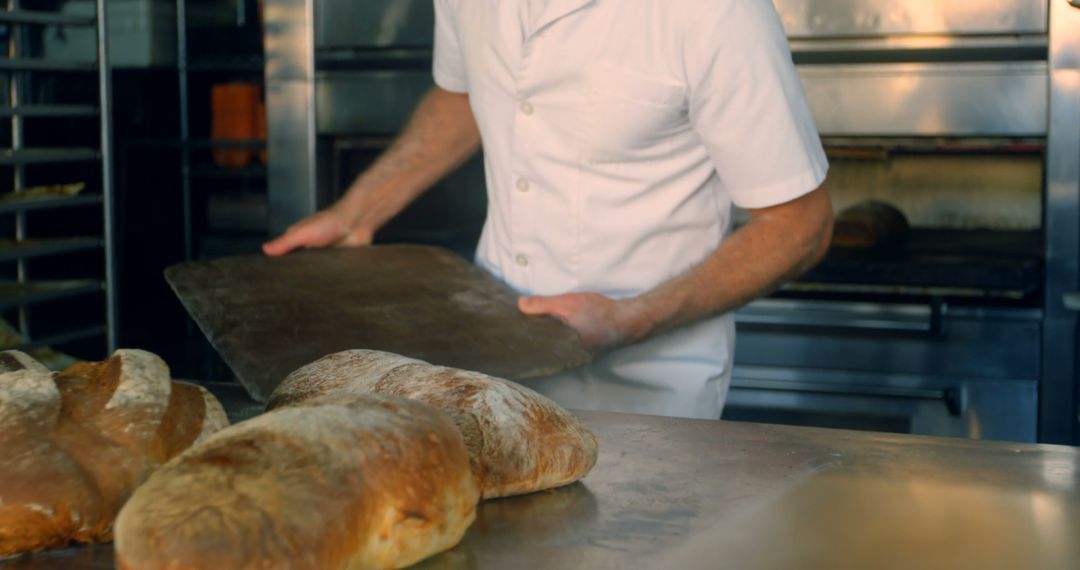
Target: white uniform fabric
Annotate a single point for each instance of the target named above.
(531, 12)
(617, 135)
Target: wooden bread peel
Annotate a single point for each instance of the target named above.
(269, 316)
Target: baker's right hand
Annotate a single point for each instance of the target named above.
(328, 228)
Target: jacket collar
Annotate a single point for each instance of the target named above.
(557, 10)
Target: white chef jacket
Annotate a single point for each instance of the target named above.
(617, 134)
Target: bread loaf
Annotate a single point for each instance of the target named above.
(77, 443)
(518, 441)
(868, 224)
(333, 483)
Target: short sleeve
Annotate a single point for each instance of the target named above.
(449, 66)
(747, 105)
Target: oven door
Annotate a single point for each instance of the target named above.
(922, 369)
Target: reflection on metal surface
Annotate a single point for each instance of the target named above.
(935, 190)
(803, 286)
(291, 178)
(991, 99)
(1058, 397)
(841, 376)
(290, 109)
(287, 39)
(374, 23)
(539, 518)
(545, 512)
(944, 405)
(1060, 476)
(81, 558)
(842, 521)
(875, 18)
(368, 102)
(997, 344)
(846, 315)
(949, 46)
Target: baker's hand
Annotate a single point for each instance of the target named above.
(328, 228)
(600, 321)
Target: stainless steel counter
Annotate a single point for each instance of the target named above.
(671, 493)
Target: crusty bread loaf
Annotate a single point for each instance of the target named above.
(333, 483)
(519, 441)
(77, 443)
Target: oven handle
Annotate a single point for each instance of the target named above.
(953, 397)
(796, 319)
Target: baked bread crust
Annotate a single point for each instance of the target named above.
(519, 441)
(356, 482)
(868, 224)
(77, 443)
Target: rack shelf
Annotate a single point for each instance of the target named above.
(59, 339)
(36, 64)
(20, 156)
(58, 111)
(47, 18)
(29, 204)
(15, 294)
(29, 98)
(11, 250)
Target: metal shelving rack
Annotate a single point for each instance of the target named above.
(19, 68)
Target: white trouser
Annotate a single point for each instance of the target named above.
(684, 373)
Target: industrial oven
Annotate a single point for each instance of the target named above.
(964, 116)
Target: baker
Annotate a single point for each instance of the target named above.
(617, 136)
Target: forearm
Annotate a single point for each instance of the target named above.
(441, 135)
(772, 248)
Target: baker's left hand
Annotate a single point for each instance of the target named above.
(601, 322)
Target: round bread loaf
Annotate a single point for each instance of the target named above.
(868, 224)
(335, 483)
(518, 441)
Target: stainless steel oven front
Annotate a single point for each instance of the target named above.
(915, 368)
(966, 115)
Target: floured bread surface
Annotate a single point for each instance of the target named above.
(214, 418)
(77, 443)
(14, 360)
(125, 396)
(519, 441)
(335, 483)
